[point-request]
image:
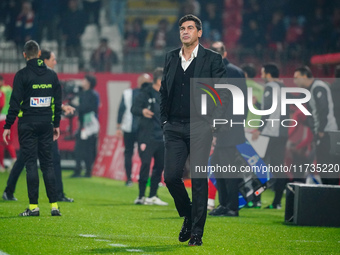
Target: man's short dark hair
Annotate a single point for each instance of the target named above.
(157, 74)
(220, 50)
(272, 69)
(337, 71)
(193, 18)
(1, 78)
(45, 54)
(31, 48)
(104, 40)
(305, 70)
(249, 69)
(92, 80)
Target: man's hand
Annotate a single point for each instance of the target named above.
(321, 134)
(255, 135)
(56, 133)
(6, 135)
(68, 109)
(119, 133)
(147, 113)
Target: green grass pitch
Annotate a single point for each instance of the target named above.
(104, 220)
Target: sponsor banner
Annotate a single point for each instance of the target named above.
(40, 101)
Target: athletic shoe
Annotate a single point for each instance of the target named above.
(195, 240)
(9, 197)
(128, 183)
(55, 212)
(211, 204)
(28, 212)
(140, 201)
(65, 199)
(278, 206)
(185, 233)
(154, 201)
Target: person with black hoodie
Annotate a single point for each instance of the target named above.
(18, 166)
(150, 138)
(36, 100)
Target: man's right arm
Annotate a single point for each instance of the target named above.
(140, 102)
(15, 101)
(121, 110)
(164, 94)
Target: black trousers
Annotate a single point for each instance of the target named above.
(153, 149)
(15, 173)
(275, 156)
(129, 142)
(35, 140)
(86, 150)
(227, 186)
(57, 170)
(323, 156)
(20, 164)
(179, 138)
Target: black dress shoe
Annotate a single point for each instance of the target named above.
(65, 199)
(231, 213)
(219, 211)
(9, 197)
(195, 240)
(185, 233)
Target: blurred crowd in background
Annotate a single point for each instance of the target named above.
(132, 36)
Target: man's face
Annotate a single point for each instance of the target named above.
(51, 62)
(188, 33)
(85, 84)
(299, 79)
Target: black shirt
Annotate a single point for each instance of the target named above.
(180, 96)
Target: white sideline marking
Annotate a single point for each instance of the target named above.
(3, 253)
(83, 235)
(134, 250)
(306, 241)
(117, 245)
(102, 240)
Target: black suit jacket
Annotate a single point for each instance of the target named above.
(208, 65)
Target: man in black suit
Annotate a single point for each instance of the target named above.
(225, 152)
(183, 125)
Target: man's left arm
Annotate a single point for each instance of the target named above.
(57, 103)
(322, 107)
